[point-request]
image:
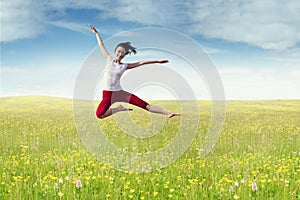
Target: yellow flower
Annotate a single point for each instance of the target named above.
(130, 196)
(236, 197)
(171, 190)
(170, 196)
(155, 194)
(132, 191)
(60, 194)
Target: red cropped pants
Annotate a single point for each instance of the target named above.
(110, 97)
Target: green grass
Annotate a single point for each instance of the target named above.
(42, 156)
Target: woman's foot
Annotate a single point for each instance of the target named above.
(173, 114)
(122, 108)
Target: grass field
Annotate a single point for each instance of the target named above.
(257, 155)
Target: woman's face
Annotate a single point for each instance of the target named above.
(120, 53)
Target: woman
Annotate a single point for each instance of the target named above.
(112, 91)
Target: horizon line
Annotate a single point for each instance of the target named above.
(204, 99)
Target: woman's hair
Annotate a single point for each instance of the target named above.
(127, 46)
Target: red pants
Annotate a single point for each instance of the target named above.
(110, 97)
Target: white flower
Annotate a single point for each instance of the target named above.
(254, 187)
(231, 189)
(56, 186)
(236, 183)
(61, 180)
(68, 178)
(78, 183)
(244, 181)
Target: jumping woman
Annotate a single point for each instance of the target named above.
(112, 91)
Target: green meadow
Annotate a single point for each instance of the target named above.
(257, 155)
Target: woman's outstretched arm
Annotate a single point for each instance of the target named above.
(100, 43)
(137, 64)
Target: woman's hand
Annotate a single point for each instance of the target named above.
(163, 61)
(100, 43)
(93, 29)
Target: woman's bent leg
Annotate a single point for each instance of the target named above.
(104, 109)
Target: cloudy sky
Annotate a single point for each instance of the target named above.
(254, 45)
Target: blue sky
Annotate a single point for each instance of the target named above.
(253, 44)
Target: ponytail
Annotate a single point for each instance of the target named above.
(127, 46)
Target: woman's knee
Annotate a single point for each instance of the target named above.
(99, 115)
(148, 107)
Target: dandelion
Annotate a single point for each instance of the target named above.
(132, 191)
(60, 194)
(286, 183)
(111, 180)
(78, 183)
(155, 194)
(254, 187)
(130, 196)
(236, 197)
(170, 196)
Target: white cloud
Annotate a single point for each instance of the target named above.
(69, 25)
(267, 24)
(247, 83)
(161, 12)
(49, 81)
(295, 74)
(20, 19)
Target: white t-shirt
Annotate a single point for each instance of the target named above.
(112, 75)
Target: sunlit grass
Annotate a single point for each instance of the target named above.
(257, 155)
